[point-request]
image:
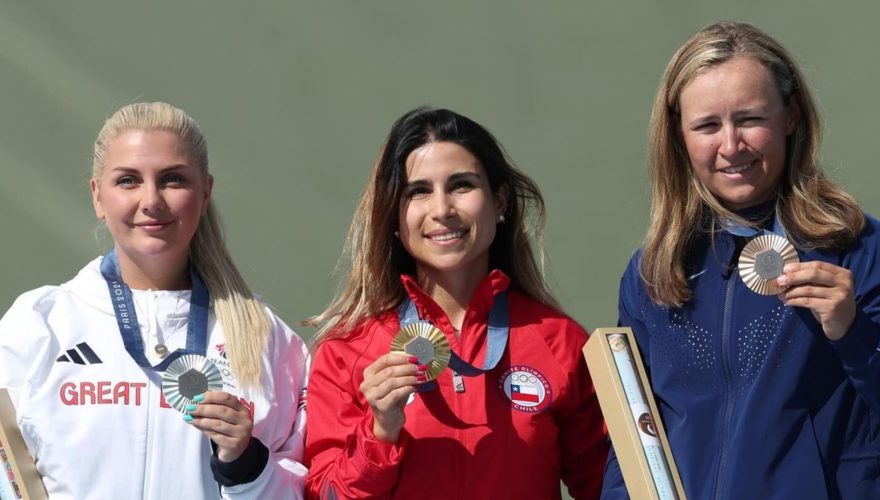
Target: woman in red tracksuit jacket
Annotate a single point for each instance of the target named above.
(439, 235)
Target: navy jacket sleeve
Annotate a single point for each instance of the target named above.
(859, 349)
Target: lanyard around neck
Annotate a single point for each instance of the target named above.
(737, 229)
(126, 317)
(499, 332)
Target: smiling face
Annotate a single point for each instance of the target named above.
(151, 195)
(735, 125)
(448, 212)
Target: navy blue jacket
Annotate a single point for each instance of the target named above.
(756, 401)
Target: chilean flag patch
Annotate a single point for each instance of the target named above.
(524, 394)
(525, 388)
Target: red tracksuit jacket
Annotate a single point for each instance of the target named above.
(513, 433)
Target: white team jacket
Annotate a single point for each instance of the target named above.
(97, 423)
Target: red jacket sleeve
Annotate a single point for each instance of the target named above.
(344, 459)
(582, 436)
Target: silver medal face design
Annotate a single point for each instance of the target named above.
(187, 377)
(762, 260)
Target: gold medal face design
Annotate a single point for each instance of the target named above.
(187, 377)
(426, 342)
(762, 260)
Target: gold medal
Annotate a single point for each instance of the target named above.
(426, 342)
(762, 260)
(187, 377)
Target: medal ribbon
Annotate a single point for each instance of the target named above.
(499, 332)
(747, 231)
(126, 318)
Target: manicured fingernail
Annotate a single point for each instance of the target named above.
(412, 359)
(190, 408)
(781, 280)
(187, 418)
(421, 378)
(199, 398)
(423, 368)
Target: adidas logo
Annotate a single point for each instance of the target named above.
(76, 355)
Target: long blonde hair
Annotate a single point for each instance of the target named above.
(814, 212)
(245, 324)
(375, 259)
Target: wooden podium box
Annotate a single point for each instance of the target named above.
(19, 478)
(631, 415)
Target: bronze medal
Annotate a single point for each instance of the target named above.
(762, 260)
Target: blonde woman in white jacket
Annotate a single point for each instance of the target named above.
(83, 361)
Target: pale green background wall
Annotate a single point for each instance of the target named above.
(296, 98)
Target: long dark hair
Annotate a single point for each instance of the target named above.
(376, 258)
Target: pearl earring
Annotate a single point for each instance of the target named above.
(501, 219)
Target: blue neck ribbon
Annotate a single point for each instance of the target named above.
(735, 229)
(126, 318)
(499, 332)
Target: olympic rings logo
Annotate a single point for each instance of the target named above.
(523, 377)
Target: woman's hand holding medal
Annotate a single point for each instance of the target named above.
(223, 418)
(388, 382)
(823, 288)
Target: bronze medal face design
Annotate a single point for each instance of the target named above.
(762, 260)
(768, 264)
(187, 377)
(426, 342)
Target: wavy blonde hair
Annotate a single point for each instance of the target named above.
(245, 324)
(375, 259)
(814, 212)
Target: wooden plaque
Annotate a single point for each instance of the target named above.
(631, 415)
(19, 478)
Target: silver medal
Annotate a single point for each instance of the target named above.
(187, 377)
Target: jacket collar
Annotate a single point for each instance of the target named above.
(726, 247)
(478, 307)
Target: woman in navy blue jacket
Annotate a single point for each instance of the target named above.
(762, 396)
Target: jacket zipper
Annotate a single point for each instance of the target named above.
(728, 384)
(149, 316)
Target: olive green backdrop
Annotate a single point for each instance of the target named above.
(296, 98)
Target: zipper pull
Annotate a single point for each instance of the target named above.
(457, 382)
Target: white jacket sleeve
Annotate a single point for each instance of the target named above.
(283, 429)
(26, 342)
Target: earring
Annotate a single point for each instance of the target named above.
(396, 233)
(501, 219)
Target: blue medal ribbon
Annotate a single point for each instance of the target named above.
(498, 334)
(736, 229)
(126, 318)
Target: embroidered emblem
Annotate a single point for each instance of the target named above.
(222, 361)
(525, 388)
